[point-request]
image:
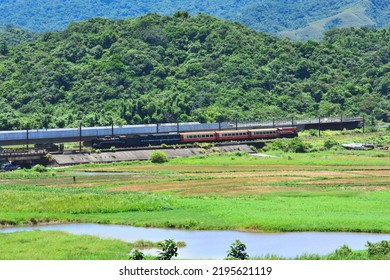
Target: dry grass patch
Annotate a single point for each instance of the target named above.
(208, 185)
(350, 181)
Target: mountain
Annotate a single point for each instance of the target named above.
(183, 68)
(296, 19)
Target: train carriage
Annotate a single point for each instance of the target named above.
(191, 137)
(232, 135)
(158, 139)
(263, 133)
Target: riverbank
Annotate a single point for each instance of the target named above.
(60, 245)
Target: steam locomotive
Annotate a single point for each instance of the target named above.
(144, 140)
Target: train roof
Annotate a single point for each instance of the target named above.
(232, 131)
(198, 132)
(264, 129)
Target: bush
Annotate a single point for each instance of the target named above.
(379, 250)
(237, 251)
(330, 143)
(343, 251)
(169, 250)
(295, 145)
(39, 168)
(49, 157)
(158, 157)
(136, 255)
(313, 132)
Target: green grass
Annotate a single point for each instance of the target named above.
(77, 201)
(56, 245)
(286, 211)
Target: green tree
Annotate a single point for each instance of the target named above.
(136, 255)
(237, 251)
(168, 251)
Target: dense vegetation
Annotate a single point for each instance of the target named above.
(10, 35)
(263, 15)
(163, 69)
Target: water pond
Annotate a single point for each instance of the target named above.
(215, 244)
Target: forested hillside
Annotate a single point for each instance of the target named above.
(301, 20)
(14, 35)
(162, 69)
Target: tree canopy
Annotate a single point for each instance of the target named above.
(189, 68)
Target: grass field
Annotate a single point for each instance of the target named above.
(334, 190)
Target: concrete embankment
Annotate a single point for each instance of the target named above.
(71, 159)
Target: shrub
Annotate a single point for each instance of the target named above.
(49, 157)
(313, 132)
(371, 129)
(330, 143)
(136, 255)
(237, 251)
(158, 157)
(296, 145)
(39, 168)
(169, 250)
(379, 250)
(343, 251)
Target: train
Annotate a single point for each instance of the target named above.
(173, 138)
